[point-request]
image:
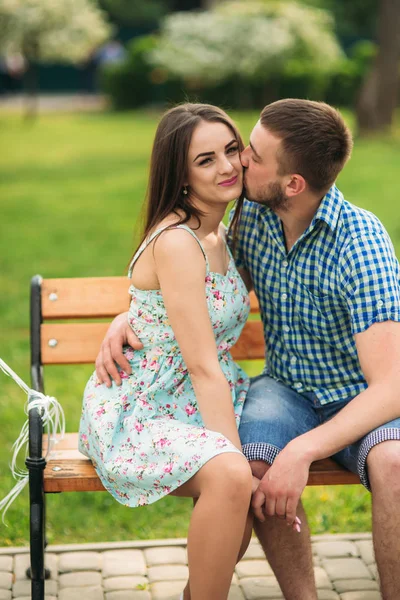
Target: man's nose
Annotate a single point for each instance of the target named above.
(244, 157)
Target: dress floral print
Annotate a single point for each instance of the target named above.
(146, 437)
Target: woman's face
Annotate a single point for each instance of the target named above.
(215, 172)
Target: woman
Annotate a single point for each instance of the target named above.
(171, 427)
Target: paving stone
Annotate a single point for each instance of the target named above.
(6, 595)
(167, 590)
(79, 561)
(253, 568)
(374, 571)
(5, 580)
(75, 593)
(364, 595)
(316, 560)
(123, 562)
(261, 587)
(169, 555)
(80, 579)
(327, 595)
(21, 563)
(335, 549)
(6, 563)
(366, 551)
(354, 585)
(113, 584)
(51, 563)
(235, 593)
(22, 587)
(128, 595)
(167, 573)
(321, 578)
(345, 568)
(30, 598)
(254, 551)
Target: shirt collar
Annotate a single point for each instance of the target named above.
(329, 209)
(327, 212)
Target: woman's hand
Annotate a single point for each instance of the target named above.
(118, 335)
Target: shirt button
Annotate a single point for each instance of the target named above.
(284, 296)
(286, 328)
(380, 303)
(285, 263)
(298, 385)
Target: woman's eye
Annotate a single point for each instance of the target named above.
(205, 161)
(233, 149)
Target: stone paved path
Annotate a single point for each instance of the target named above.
(157, 569)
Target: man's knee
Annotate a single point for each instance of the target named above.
(383, 464)
(259, 468)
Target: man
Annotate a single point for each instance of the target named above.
(327, 281)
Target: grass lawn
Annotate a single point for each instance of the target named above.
(71, 188)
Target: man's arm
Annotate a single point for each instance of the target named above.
(119, 334)
(379, 353)
(245, 275)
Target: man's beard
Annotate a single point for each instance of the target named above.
(271, 196)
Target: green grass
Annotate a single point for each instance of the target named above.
(71, 188)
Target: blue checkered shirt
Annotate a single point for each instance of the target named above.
(340, 277)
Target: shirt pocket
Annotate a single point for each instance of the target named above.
(324, 316)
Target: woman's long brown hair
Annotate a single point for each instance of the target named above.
(169, 163)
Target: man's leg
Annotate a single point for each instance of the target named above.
(376, 459)
(288, 553)
(384, 475)
(273, 415)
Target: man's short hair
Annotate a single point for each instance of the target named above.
(316, 142)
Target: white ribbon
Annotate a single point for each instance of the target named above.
(53, 418)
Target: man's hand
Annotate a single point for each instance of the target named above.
(281, 487)
(119, 334)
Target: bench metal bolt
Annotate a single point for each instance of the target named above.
(53, 343)
(53, 297)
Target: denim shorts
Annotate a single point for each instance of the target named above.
(274, 414)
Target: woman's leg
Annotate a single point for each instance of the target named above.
(223, 490)
(245, 544)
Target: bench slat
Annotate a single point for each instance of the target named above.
(91, 298)
(79, 343)
(75, 473)
(84, 298)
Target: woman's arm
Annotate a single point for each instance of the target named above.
(181, 270)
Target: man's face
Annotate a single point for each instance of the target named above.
(262, 183)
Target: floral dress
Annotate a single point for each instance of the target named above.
(146, 437)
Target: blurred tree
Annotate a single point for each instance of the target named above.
(353, 19)
(46, 30)
(379, 92)
(246, 41)
(133, 12)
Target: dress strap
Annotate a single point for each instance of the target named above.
(155, 234)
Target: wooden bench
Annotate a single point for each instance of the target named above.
(77, 342)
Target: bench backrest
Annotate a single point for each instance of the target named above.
(74, 340)
(75, 301)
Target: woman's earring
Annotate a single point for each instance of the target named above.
(185, 190)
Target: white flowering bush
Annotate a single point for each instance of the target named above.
(246, 39)
(51, 30)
